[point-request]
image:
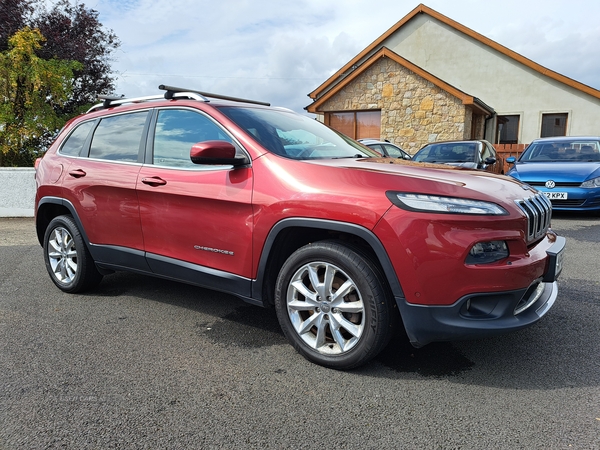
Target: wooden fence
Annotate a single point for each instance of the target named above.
(506, 150)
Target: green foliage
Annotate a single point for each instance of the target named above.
(32, 89)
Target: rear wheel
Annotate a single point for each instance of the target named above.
(67, 258)
(332, 305)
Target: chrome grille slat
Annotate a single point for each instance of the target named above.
(538, 211)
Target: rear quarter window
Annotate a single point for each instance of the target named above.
(73, 144)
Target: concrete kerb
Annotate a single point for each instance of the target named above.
(17, 191)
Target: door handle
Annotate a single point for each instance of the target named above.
(77, 173)
(154, 181)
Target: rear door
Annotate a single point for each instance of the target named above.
(193, 215)
(101, 182)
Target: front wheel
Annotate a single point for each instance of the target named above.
(67, 258)
(332, 305)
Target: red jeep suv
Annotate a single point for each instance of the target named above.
(279, 210)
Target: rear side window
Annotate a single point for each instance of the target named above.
(176, 131)
(72, 145)
(118, 138)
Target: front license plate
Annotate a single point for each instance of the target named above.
(556, 195)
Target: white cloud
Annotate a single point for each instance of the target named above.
(280, 51)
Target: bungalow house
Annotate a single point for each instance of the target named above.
(429, 78)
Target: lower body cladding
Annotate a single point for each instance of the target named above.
(485, 314)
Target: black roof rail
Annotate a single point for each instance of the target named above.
(173, 90)
(107, 99)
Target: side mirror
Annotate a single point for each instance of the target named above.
(511, 160)
(217, 153)
(489, 161)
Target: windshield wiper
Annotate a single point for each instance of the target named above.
(352, 157)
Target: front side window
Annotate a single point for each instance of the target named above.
(394, 152)
(177, 130)
(554, 125)
(73, 144)
(118, 138)
(488, 152)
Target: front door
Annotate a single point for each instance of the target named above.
(201, 215)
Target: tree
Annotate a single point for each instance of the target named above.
(31, 90)
(14, 15)
(73, 32)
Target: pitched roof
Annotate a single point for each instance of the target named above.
(385, 52)
(422, 9)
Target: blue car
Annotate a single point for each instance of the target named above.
(565, 169)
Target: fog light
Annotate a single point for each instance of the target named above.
(487, 252)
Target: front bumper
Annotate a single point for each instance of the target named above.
(485, 314)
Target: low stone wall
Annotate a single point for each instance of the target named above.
(17, 191)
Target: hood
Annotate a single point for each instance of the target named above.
(561, 172)
(428, 178)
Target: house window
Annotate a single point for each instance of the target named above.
(507, 129)
(554, 125)
(356, 124)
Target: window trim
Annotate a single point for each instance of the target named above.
(569, 114)
(148, 158)
(520, 115)
(85, 148)
(140, 157)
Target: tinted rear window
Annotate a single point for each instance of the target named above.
(72, 145)
(118, 138)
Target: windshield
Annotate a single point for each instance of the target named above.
(295, 136)
(447, 153)
(564, 151)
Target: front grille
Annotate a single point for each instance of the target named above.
(538, 210)
(558, 184)
(568, 203)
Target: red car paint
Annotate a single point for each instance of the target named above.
(241, 222)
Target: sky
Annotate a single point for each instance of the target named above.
(279, 51)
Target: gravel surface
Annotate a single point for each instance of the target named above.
(17, 231)
(146, 363)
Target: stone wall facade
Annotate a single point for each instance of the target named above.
(414, 111)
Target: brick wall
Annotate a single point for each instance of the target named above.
(413, 110)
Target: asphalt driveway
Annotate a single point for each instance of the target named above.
(147, 363)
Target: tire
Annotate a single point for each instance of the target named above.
(332, 305)
(67, 258)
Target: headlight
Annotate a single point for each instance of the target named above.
(593, 183)
(449, 205)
